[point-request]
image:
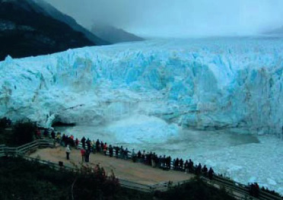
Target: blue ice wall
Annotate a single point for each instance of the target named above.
(205, 84)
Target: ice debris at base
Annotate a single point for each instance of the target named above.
(205, 84)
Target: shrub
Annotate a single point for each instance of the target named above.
(195, 190)
(4, 123)
(23, 132)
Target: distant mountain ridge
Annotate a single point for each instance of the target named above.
(113, 35)
(33, 27)
(278, 31)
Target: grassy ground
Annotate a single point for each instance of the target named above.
(20, 179)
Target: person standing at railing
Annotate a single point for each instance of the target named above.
(53, 135)
(83, 154)
(88, 144)
(93, 147)
(77, 143)
(97, 145)
(110, 151)
(68, 151)
(191, 166)
(168, 162)
(126, 151)
(181, 164)
(63, 140)
(134, 156)
(105, 148)
(83, 142)
(198, 169)
(143, 156)
(58, 138)
(154, 160)
(204, 170)
(101, 146)
(122, 152)
(45, 133)
(54, 143)
(87, 153)
(117, 149)
(210, 173)
(186, 167)
(139, 156)
(38, 134)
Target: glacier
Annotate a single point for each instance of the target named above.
(205, 84)
(190, 98)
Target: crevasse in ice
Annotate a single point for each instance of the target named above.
(204, 84)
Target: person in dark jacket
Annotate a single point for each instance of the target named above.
(181, 164)
(210, 173)
(45, 133)
(88, 145)
(191, 166)
(204, 170)
(83, 142)
(186, 167)
(97, 145)
(110, 151)
(53, 135)
(117, 149)
(87, 153)
(198, 169)
(63, 140)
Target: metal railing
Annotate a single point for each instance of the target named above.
(22, 150)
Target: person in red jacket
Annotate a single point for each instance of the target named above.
(38, 134)
(83, 155)
(105, 148)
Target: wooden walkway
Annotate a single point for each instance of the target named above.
(123, 169)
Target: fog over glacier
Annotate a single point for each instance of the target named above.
(218, 101)
(178, 18)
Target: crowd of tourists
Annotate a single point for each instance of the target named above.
(87, 147)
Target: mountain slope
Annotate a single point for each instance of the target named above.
(114, 35)
(27, 30)
(53, 12)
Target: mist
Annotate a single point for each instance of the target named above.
(178, 18)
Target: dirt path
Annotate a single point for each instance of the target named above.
(123, 169)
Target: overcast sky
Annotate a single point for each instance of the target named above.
(178, 18)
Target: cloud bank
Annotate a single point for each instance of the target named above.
(178, 18)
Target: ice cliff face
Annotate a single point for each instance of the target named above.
(205, 84)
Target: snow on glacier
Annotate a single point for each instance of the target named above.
(148, 92)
